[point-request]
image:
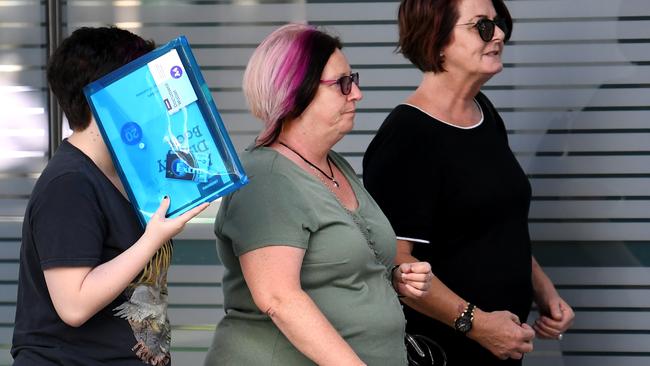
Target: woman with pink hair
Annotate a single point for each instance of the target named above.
(308, 254)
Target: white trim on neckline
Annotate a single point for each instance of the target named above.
(413, 239)
(448, 123)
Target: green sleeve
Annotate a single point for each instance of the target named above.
(269, 210)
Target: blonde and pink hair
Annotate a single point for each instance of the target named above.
(283, 74)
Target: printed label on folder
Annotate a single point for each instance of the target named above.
(173, 84)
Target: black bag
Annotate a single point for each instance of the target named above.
(423, 351)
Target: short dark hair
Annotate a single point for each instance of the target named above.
(425, 28)
(85, 56)
(283, 75)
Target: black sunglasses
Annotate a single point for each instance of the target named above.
(345, 82)
(485, 28)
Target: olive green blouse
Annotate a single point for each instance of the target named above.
(344, 269)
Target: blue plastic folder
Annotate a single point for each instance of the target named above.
(164, 133)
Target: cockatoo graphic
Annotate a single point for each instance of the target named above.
(146, 312)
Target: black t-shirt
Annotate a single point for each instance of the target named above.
(460, 195)
(75, 217)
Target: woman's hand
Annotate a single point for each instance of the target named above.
(412, 280)
(555, 317)
(161, 229)
(501, 333)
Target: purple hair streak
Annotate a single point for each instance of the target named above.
(283, 74)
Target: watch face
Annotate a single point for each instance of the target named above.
(464, 324)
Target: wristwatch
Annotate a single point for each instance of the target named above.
(463, 323)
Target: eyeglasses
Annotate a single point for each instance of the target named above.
(485, 28)
(345, 82)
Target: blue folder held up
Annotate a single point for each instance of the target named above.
(164, 132)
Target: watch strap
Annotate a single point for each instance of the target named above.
(464, 321)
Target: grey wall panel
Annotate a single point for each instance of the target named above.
(572, 142)
(196, 317)
(541, 122)
(5, 335)
(230, 100)
(598, 276)
(195, 274)
(25, 147)
(10, 228)
(9, 250)
(8, 293)
(576, 165)
(193, 339)
(612, 320)
(18, 164)
(195, 295)
(22, 34)
(24, 98)
(32, 57)
(569, 76)
(21, 12)
(185, 13)
(575, 187)
(30, 121)
(599, 30)
(562, 9)
(241, 122)
(223, 57)
(609, 209)
(586, 53)
(366, 33)
(7, 314)
(224, 35)
(603, 298)
(593, 231)
(12, 186)
(29, 76)
(12, 206)
(606, 343)
(576, 120)
(198, 229)
(9, 272)
(253, 34)
(194, 12)
(189, 357)
(219, 79)
(605, 360)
